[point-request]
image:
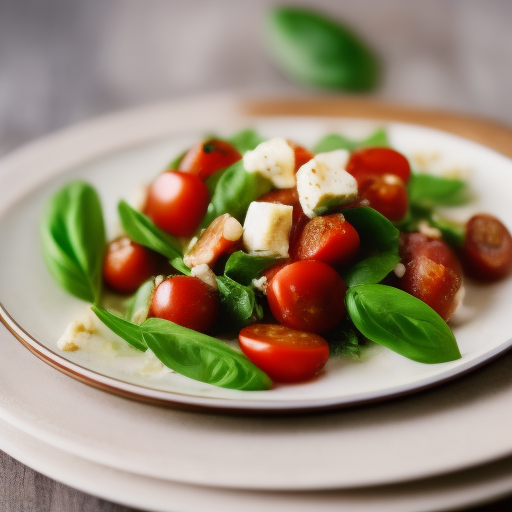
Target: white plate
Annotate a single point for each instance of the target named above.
(442, 493)
(117, 155)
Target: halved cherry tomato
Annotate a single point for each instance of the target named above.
(284, 354)
(127, 265)
(330, 239)
(302, 155)
(186, 301)
(386, 193)
(221, 237)
(487, 250)
(432, 272)
(308, 296)
(208, 157)
(378, 161)
(177, 202)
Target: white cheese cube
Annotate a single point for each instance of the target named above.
(323, 183)
(275, 160)
(267, 228)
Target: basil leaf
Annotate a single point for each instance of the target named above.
(380, 238)
(235, 190)
(238, 302)
(174, 164)
(315, 50)
(334, 141)
(429, 191)
(143, 231)
(453, 233)
(73, 240)
(129, 332)
(345, 340)
(201, 357)
(243, 267)
(402, 323)
(245, 140)
(212, 181)
(137, 306)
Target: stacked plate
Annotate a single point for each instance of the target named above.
(431, 450)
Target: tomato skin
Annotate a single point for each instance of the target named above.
(186, 301)
(177, 202)
(487, 250)
(433, 273)
(386, 193)
(330, 239)
(378, 161)
(208, 157)
(284, 354)
(302, 155)
(307, 296)
(127, 265)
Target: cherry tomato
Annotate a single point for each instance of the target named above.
(308, 296)
(284, 354)
(127, 265)
(177, 202)
(330, 239)
(487, 250)
(302, 155)
(208, 157)
(432, 272)
(387, 194)
(186, 301)
(378, 161)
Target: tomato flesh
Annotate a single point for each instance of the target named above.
(186, 301)
(378, 161)
(127, 265)
(284, 354)
(386, 193)
(302, 155)
(432, 272)
(208, 157)
(307, 296)
(177, 202)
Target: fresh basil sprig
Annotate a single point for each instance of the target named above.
(238, 302)
(243, 267)
(402, 323)
(380, 238)
(333, 141)
(315, 50)
(143, 231)
(73, 240)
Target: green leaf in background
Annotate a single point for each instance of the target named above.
(143, 231)
(235, 190)
(201, 357)
(333, 141)
(402, 323)
(315, 50)
(137, 306)
(73, 240)
(130, 332)
(245, 140)
(429, 191)
(380, 238)
(238, 302)
(243, 267)
(174, 164)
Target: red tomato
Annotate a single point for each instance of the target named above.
(308, 296)
(127, 265)
(177, 202)
(302, 155)
(284, 354)
(186, 301)
(330, 239)
(432, 272)
(387, 194)
(208, 157)
(487, 250)
(378, 161)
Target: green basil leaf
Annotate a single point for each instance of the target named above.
(238, 302)
(213, 180)
(245, 140)
(235, 190)
(143, 231)
(137, 306)
(429, 191)
(243, 267)
(73, 240)
(131, 333)
(174, 164)
(402, 323)
(453, 232)
(378, 237)
(345, 340)
(315, 50)
(201, 357)
(334, 141)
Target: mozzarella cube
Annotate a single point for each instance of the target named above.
(323, 183)
(275, 160)
(267, 228)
